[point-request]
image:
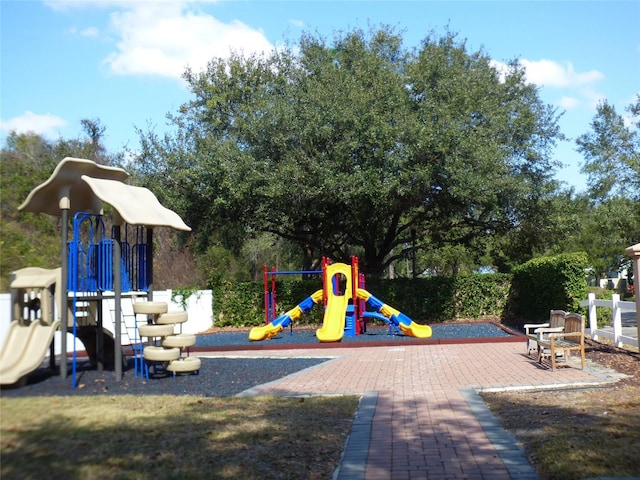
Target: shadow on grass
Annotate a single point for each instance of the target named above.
(575, 433)
(173, 437)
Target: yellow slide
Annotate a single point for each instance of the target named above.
(273, 328)
(25, 350)
(332, 329)
(265, 332)
(416, 330)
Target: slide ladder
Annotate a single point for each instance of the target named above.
(127, 321)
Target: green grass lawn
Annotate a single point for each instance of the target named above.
(181, 437)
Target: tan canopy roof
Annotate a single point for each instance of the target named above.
(136, 205)
(35, 277)
(82, 186)
(65, 183)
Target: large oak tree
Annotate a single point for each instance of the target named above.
(357, 146)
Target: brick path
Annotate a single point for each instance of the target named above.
(420, 416)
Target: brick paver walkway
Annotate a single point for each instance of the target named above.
(421, 416)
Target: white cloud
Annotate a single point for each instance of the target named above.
(164, 38)
(553, 74)
(569, 103)
(85, 32)
(501, 68)
(549, 74)
(45, 125)
(297, 23)
(591, 96)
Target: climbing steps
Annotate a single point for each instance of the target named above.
(164, 346)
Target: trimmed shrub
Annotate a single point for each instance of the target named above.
(425, 300)
(535, 288)
(241, 304)
(547, 283)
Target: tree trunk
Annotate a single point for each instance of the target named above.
(307, 260)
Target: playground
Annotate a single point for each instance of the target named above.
(110, 258)
(420, 410)
(98, 261)
(59, 312)
(344, 301)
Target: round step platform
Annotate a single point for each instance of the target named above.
(185, 364)
(160, 354)
(172, 318)
(150, 308)
(181, 340)
(155, 330)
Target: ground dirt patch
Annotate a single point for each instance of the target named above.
(576, 433)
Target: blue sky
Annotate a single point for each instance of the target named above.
(121, 61)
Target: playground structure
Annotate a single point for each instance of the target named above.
(33, 328)
(344, 303)
(165, 346)
(93, 265)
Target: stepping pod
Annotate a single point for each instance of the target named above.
(168, 350)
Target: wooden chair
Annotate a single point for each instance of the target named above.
(571, 339)
(532, 330)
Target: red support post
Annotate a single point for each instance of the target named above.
(273, 293)
(266, 294)
(325, 262)
(361, 303)
(354, 294)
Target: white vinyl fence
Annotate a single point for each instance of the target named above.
(198, 306)
(615, 333)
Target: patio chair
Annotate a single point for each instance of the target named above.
(571, 339)
(532, 330)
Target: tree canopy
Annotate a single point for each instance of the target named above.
(612, 152)
(426, 160)
(357, 146)
(611, 210)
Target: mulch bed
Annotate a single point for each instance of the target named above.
(218, 377)
(619, 359)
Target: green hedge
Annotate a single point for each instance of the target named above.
(547, 283)
(425, 300)
(534, 288)
(440, 299)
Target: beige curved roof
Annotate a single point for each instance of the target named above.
(136, 205)
(86, 185)
(35, 277)
(65, 182)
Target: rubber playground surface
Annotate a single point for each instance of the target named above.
(304, 337)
